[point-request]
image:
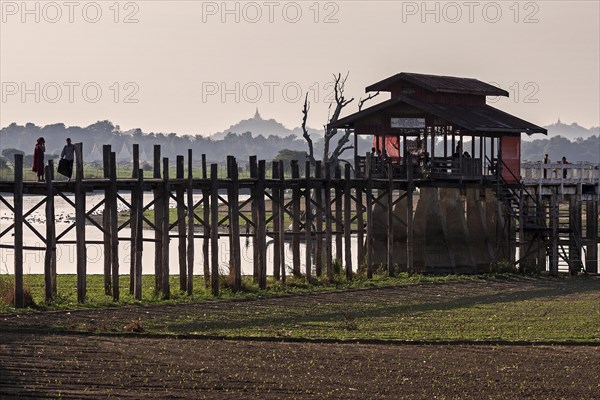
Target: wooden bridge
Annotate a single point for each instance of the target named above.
(328, 209)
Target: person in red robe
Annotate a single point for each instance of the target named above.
(38, 159)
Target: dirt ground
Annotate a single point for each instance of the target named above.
(100, 367)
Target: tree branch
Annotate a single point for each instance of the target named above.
(305, 133)
(361, 102)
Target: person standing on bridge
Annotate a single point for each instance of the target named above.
(564, 161)
(68, 155)
(546, 161)
(38, 159)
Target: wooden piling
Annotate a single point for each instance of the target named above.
(360, 226)
(390, 219)
(133, 218)
(166, 189)
(348, 222)
(261, 226)
(106, 222)
(328, 222)
(295, 217)
(158, 258)
(281, 229)
(591, 231)
(339, 227)
(18, 217)
(308, 221)
(114, 226)
(275, 212)
(214, 229)
(80, 224)
(139, 233)
(50, 255)
(319, 220)
(409, 217)
(369, 209)
(554, 222)
(181, 227)
(206, 230)
(234, 224)
(190, 221)
(253, 193)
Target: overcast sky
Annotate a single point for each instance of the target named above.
(196, 67)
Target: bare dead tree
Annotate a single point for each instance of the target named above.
(305, 134)
(330, 132)
(361, 102)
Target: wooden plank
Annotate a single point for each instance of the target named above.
(158, 257)
(360, 225)
(328, 222)
(347, 222)
(295, 218)
(308, 222)
(166, 287)
(80, 224)
(206, 217)
(50, 255)
(339, 227)
(390, 222)
(281, 229)
(190, 221)
(139, 234)
(114, 227)
(234, 224)
(319, 220)
(106, 222)
(591, 259)
(554, 222)
(261, 227)
(275, 210)
(18, 230)
(214, 230)
(181, 228)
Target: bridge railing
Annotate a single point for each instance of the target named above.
(556, 173)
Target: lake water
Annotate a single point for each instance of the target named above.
(33, 260)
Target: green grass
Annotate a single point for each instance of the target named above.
(472, 308)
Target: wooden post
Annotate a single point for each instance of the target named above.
(275, 210)
(308, 222)
(114, 226)
(591, 259)
(181, 228)
(360, 225)
(133, 219)
(80, 224)
(369, 207)
(390, 222)
(261, 227)
(576, 234)
(18, 216)
(50, 256)
(522, 219)
(106, 221)
(339, 227)
(214, 228)
(139, 234)
(166, 287)
(319, 220)
(409, 217)
(348, 222)
(207, 229)
(190, 216)
(254, 211)
(296, 216)
(158, 258)
(281, 230)
(328, 239)
(554, 222)
(234, 224)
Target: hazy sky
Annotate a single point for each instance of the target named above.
(198, 66)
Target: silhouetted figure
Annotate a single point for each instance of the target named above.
(38, 159)
(546, 161)
(67, 158)
(466, 155)
(564, 161)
